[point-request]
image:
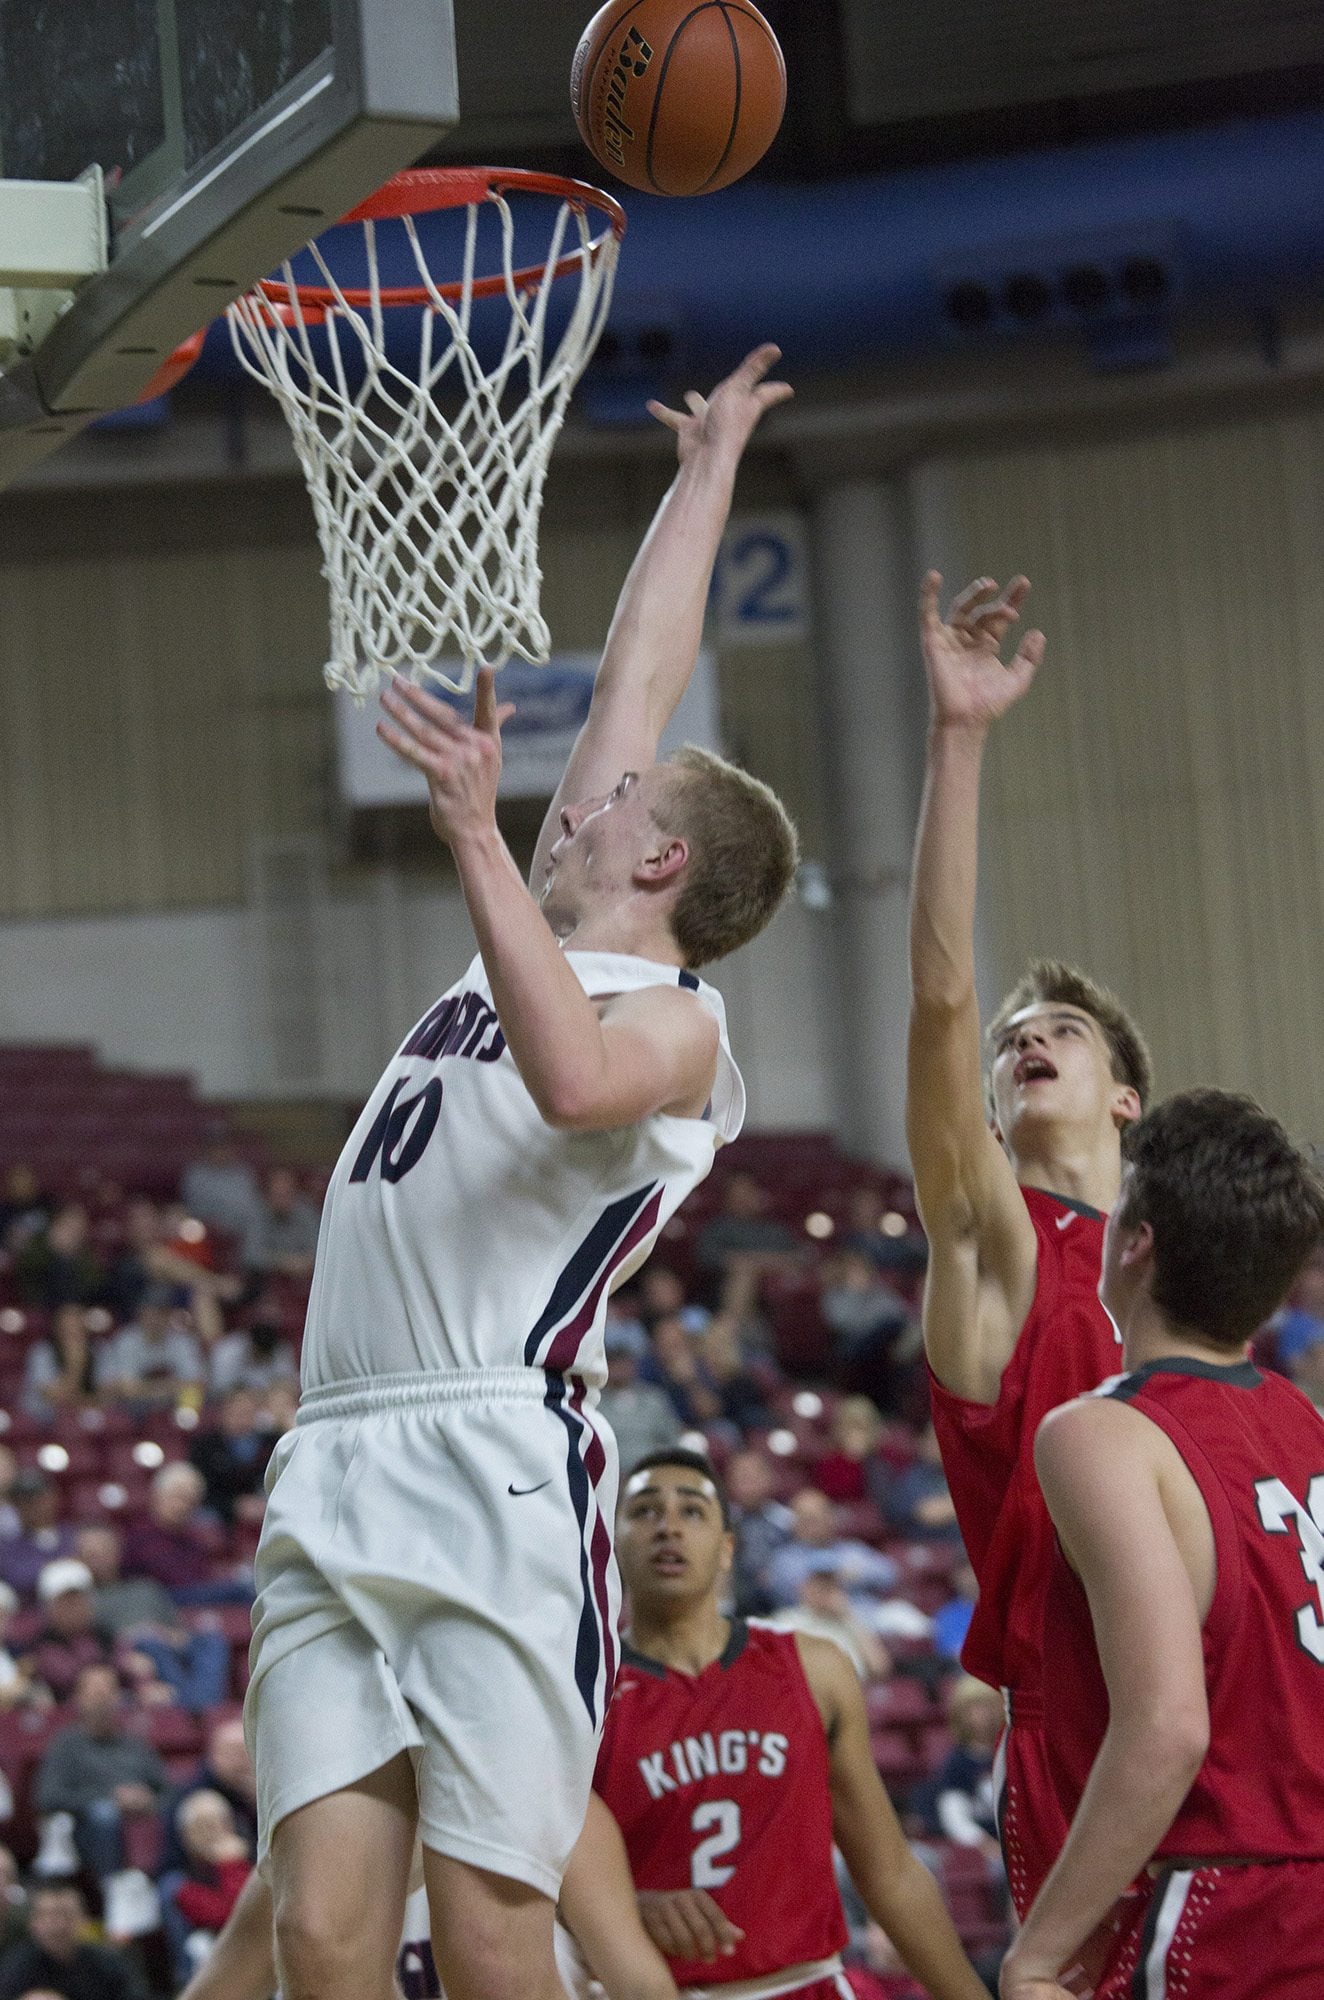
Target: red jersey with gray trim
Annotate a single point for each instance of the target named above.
(463, 1232)
(720, 1781)
(1255, 1447)
(1067, 1345)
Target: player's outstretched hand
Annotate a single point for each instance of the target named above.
(968, 682)
(1020, 1979)
(460, 760)
(687, 1923)
(725, 421)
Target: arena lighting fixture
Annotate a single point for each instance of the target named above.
(53, 1458)
(807, 1403)
(818, 1225)
(893, 1224)
(112, 1495)
(782, 1444)
(148, 1454)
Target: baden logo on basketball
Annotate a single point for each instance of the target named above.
(631, 60)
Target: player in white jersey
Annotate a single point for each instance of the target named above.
(434, 1630)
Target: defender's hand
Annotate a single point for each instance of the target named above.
(968, 682)
(460, 760)
(725, 421)
(687, 1923)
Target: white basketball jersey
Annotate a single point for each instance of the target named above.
(461, 1231)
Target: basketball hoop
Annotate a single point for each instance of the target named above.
(427, 483)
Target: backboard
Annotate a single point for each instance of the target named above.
(229, 132)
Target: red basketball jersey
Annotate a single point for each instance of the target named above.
(1066, 1346)
(719, 1781)
(1255, 1448)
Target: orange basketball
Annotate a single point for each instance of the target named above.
(678, 96)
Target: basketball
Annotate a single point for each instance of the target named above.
(678, 98)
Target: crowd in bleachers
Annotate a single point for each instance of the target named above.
(150, 1314)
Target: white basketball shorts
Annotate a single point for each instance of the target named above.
(435, 1575)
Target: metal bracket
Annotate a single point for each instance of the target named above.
(53, 236)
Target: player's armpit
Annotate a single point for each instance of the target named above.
(598, 1907)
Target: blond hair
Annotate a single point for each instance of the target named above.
(1047, 981)
(743, 853)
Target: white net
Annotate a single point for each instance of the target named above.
(427, 481)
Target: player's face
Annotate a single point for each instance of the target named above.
(601, 844)
(1052, 1066)
(670, 1541)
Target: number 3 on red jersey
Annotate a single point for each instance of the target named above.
(1279, 1507)
(724, 1816)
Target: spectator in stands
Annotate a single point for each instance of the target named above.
(178, 1545)
(701, 1396)
(93, 1777)
(951, 1621)
(824, 1611)
(864, 1573)
(147, 1258)
(743, 1243)
(869, 1323)
(41, 1536)
(256, 1357)
(55, 1958)
(13, 1901)
(963, 1808)
(1308, 1372)
(917, 1502)
(9, 1521)
(226, 1769)
(60, 1373)
(193, 1665)
(662, 1295)
(1300, 1323)
(218, 1862)
(221, 1188)
(283, 1242)
(902, 1256)
(17, 1687)
(69, 1637)
(155, 1360)
(233, 1459)
(24, 1209)
(853, 1471)
(640, 1413)
(761, 1525)
(58, 1267)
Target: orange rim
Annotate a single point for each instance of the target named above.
(175, 367)
(420, 191)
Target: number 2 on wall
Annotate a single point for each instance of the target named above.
(724, 1815)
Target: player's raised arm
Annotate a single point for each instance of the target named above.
(656, 632)
(896, 1889)
(586, 1070)
(982, 1242)
(1103, 1467)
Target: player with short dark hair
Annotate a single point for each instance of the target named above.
(1016, 1147)
(1185, 1611)
(733, 1757)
